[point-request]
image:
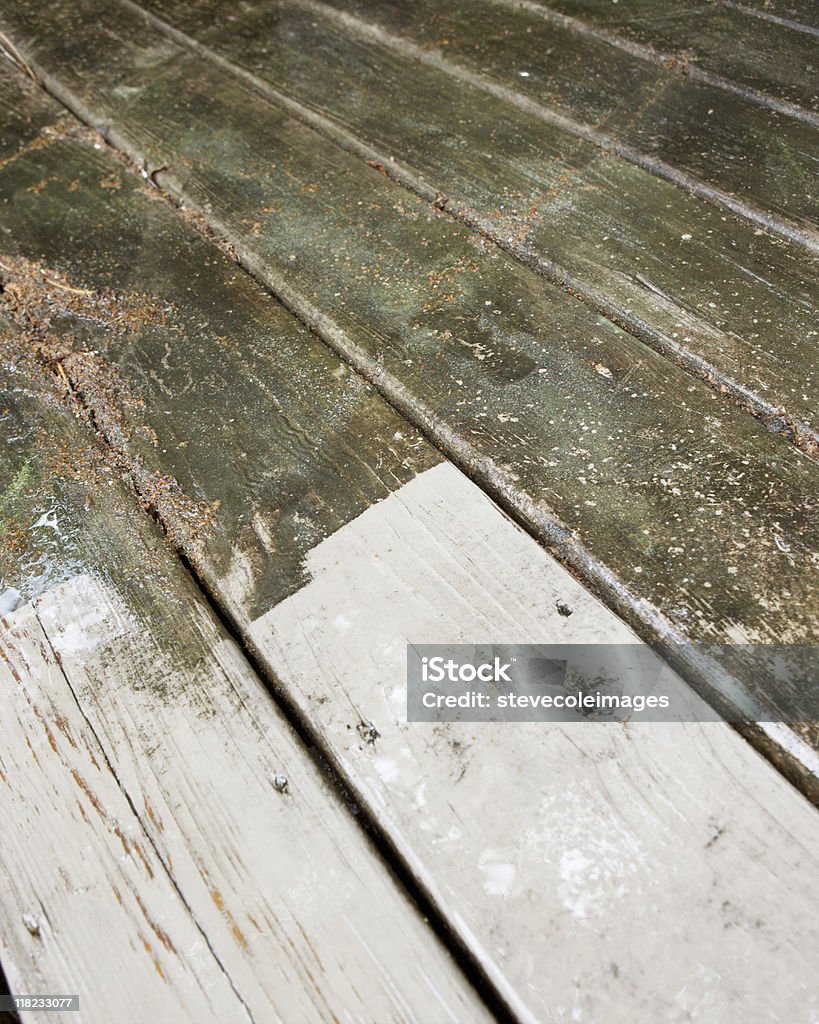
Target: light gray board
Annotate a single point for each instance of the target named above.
(608, 873)
(151, 775)
(86, 905)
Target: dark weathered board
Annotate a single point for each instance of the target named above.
(713, 291)
(722, 38)
(169, 847)
(729, 149)
(548, 856)
(802, 13)
(686, 513)
(27, 110)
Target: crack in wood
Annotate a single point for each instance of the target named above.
(41, 301)
(161, 935)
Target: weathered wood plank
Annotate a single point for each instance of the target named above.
(765, 55)
(179, 850)
(802, 12)
(710, 290)
(88, 908)
(515, 370)
(589, 843)
(721, 145)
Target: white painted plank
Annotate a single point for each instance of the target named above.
(87, 907)
(300, 913)
(648, 872)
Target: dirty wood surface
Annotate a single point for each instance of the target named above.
(332, 535)
(687, 514)
(81, 882)
(169, 848)
(710, 140)
(713, 291)
(766, 55)
(802, 12)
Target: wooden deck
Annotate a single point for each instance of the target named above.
(333, 326)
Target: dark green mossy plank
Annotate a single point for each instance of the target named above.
(802, 12)
(723, 40)
(648, 473)
(742, 302)
(26, 112)
(758, 155)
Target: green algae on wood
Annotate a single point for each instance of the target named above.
(765, 55)
(679, 127)
(714, 291)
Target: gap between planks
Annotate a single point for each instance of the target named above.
(803, 435)
(655, 166)
(668, 60)
(776, 19)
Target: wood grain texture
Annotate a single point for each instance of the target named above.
(583, 860)
(687, 130)
(179, 851)
(669, 506)
(722, 38)
(712, 291)
(562, 859)
(88, 908)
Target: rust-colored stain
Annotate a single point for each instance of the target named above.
(46, 137)
(51, 739)
(34, 297)
(160, 933)
(140, 853)
(219, 901)
(153, 817)
(149, 949)
(33, 751)
(132, 847)
(126, 846)
(13, 539)
(309, 945)
(86, 789)
(15, 675)
(62, 724)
